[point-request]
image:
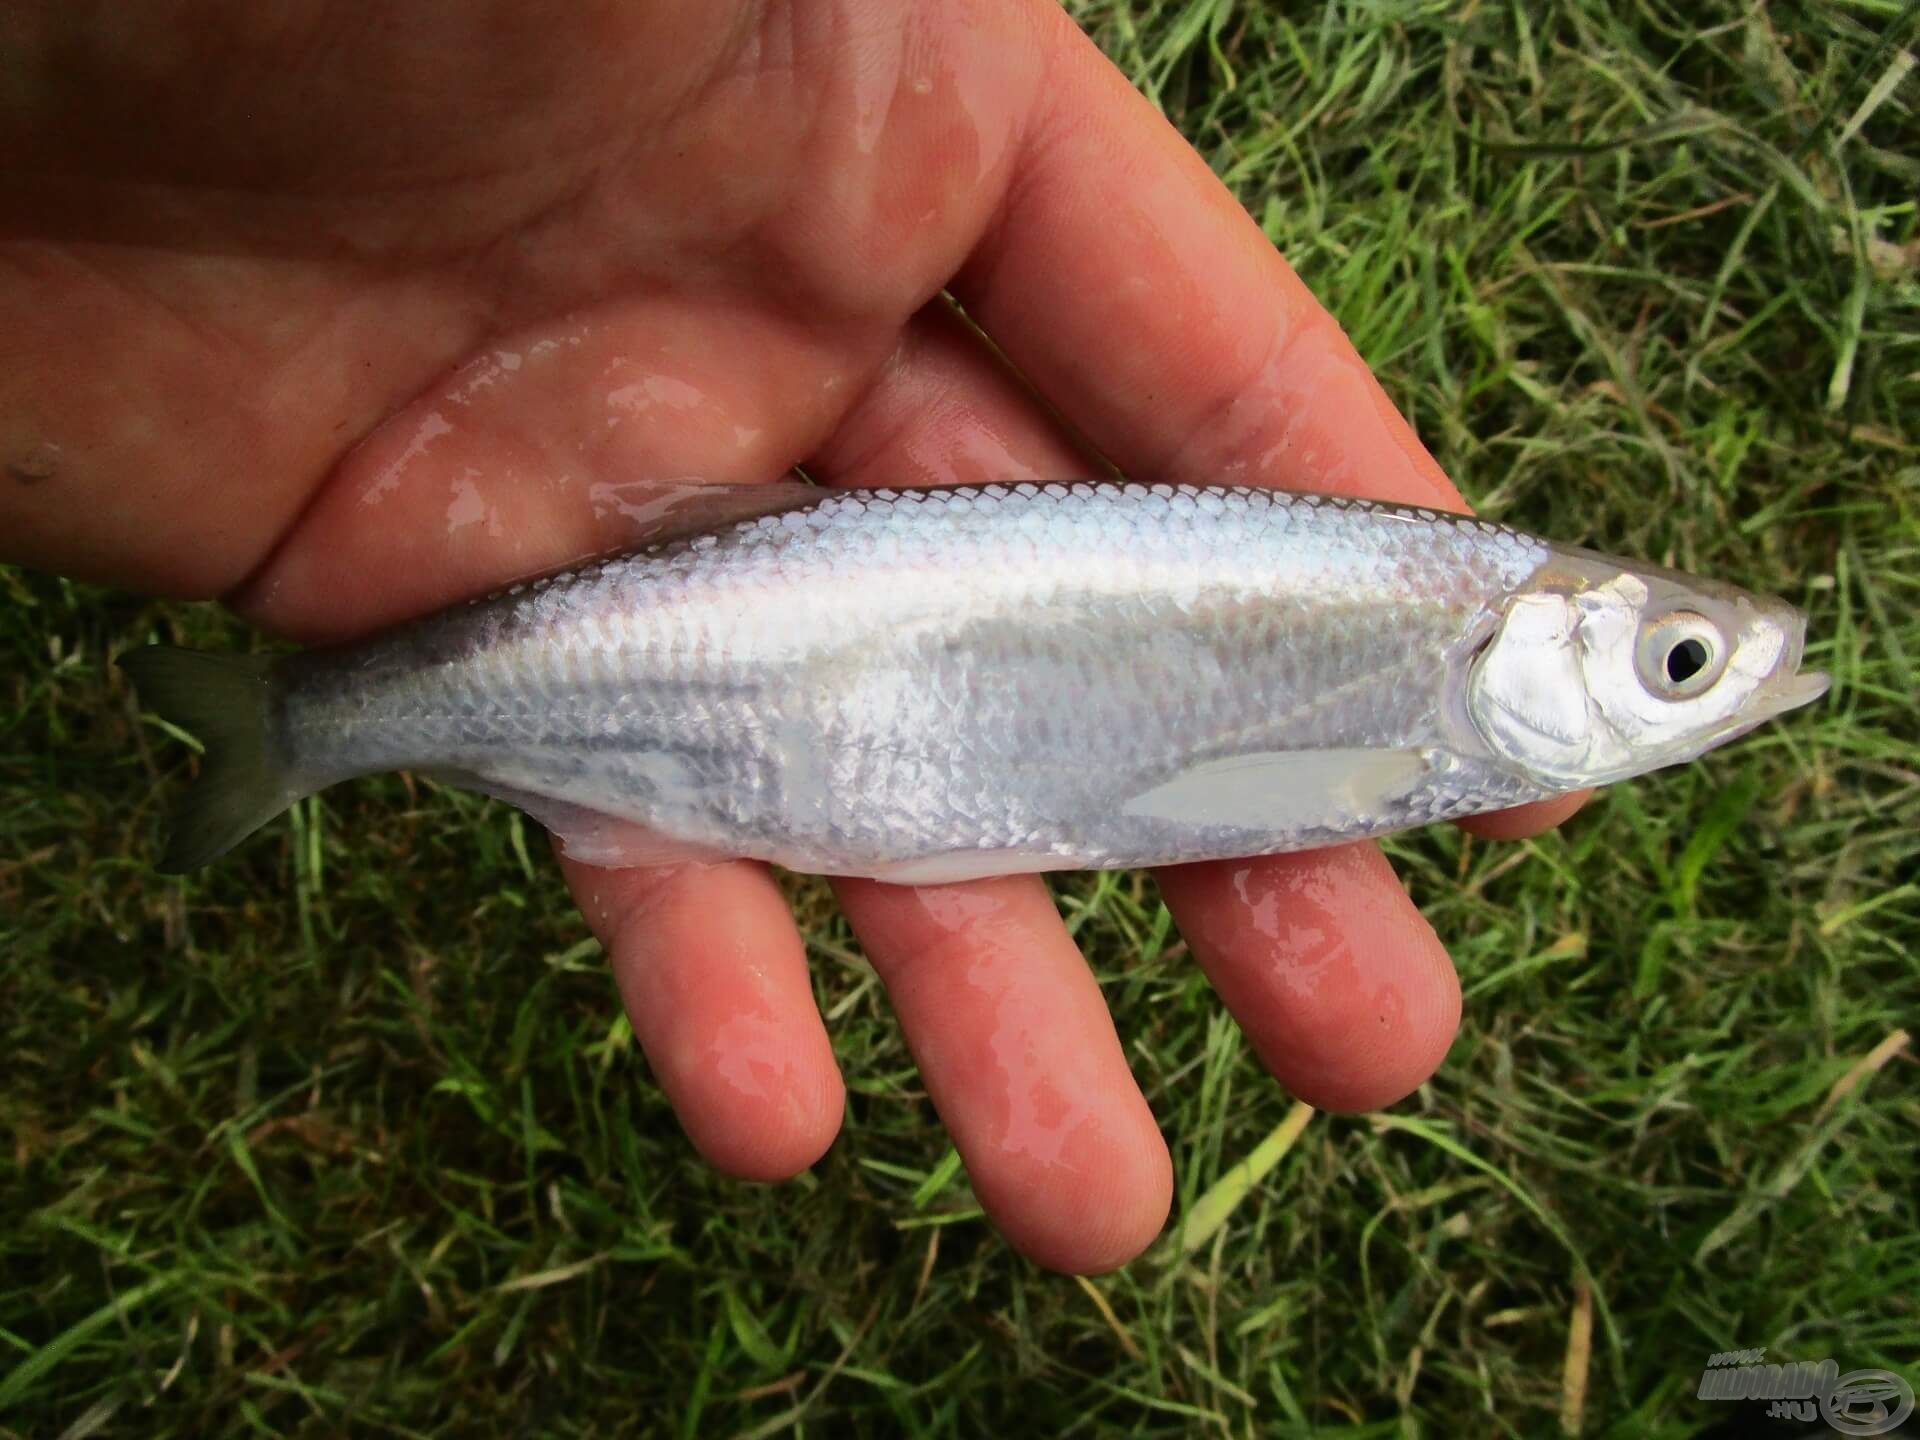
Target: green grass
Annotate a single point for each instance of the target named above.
(345, 1136)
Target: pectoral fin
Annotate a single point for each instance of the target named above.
(1283, 790)
(958, 865)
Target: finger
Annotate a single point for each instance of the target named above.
(944, 410)
(1183, 346)
(1019, 1055)
(1526, 820)
(714, 977)
(1341, 986)
(1013, 1040)
(224, 388)
(547, 447)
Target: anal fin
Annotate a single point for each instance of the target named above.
(589, 836)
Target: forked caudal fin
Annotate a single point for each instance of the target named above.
(224, 701)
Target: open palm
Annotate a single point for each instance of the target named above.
(344, 317)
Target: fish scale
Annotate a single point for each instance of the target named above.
(929, 685)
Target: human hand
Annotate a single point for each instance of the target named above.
(343, 319)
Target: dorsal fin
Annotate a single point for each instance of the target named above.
(659, 512)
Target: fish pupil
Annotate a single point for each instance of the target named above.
(1686, 660)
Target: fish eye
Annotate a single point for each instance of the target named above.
(1680, 655)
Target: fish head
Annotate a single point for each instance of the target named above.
(1597, 669)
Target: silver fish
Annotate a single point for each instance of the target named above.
(931, 685)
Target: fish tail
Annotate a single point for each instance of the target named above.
(227, 703)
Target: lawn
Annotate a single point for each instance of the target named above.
(347, 1134)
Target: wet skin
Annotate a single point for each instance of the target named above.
(343, 322)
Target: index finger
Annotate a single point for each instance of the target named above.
(1125, 280)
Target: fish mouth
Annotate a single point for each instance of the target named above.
(1788, 692)
(1783, 693)
(1788, 687)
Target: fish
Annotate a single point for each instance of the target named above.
(926, 686)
